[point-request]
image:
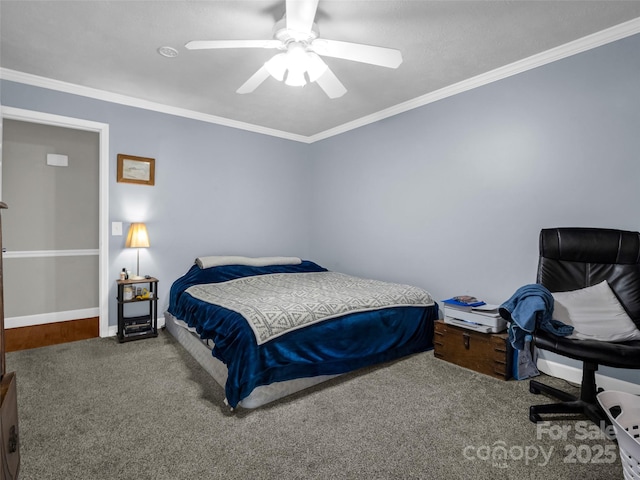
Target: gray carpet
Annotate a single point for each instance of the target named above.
(97, 409)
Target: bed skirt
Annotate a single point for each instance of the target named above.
(261, 395)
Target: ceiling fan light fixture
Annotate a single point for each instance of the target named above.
(295, 77)
(277, 66)
(315, 67)
(296, 54)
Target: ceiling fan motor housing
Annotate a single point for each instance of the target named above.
(285, 35)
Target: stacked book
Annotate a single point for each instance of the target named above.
(469, 312)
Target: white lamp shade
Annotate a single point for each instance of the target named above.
(295, 77)
(315, 66)
(292, 66)
(276, 66)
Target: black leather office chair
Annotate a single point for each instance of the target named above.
(574, 258)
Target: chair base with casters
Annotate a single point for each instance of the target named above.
(585, 404)
(573, 259)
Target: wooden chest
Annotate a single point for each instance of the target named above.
(488, 353)
(9, 447)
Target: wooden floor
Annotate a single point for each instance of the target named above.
(23, 338)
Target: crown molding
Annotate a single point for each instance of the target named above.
(74, 89)
(618, 32)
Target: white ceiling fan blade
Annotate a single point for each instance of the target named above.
(331, 85)
(381, 56)
(300, 15)
(254, 81)
(210, 44)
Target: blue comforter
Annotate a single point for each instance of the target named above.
(331, 347)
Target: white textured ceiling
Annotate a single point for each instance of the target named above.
(112, 46)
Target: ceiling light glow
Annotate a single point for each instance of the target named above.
(295, 78)
(315, 67)
(277, 66)
(291, 66)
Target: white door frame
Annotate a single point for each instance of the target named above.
(102, 129)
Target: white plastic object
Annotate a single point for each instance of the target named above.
(627, 428)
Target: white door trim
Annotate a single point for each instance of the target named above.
(102, 129)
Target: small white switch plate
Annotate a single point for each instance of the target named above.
(116, 228)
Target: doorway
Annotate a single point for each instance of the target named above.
(61, 269)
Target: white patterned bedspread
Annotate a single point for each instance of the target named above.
(278, 303)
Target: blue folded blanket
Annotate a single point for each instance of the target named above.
(530, 308)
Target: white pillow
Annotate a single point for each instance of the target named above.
(595, 313)
(219, 261)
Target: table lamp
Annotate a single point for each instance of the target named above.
(137, 238)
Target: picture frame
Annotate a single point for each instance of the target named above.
(138, 170)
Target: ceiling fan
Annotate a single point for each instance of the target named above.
(297, 37)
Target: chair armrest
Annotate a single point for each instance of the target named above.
(618, 355)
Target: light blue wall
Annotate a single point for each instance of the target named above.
(218, 190)
(452, 196)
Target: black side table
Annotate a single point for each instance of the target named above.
(142, 326)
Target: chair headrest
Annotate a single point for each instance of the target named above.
(574, 258)
(590, 245)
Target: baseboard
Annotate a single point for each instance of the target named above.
(574, 375)
(53, 317)
(50, 333)
(36, 336)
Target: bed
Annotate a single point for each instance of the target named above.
(267, 327)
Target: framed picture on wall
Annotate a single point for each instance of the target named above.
(138, 170)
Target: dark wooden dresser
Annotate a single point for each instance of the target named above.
(488, 353)
(10, 447)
